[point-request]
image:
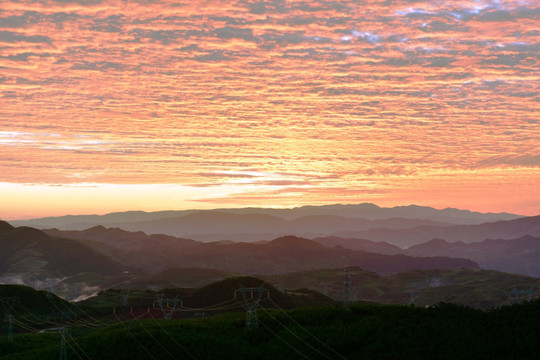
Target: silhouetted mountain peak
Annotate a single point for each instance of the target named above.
(5, 227)
(27, 233)
(438, 241)
(291, 241)
(96, 229)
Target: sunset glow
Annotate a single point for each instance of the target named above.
(153, 105)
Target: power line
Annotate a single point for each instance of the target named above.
(306, 330)
(62, 331)
(167, 310)
(8, 303)
(252, 303)
(298, 336)
(346, 298)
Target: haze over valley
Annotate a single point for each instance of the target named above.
(264, 242)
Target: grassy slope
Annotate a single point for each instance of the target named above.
(363, 332)
(481, 289)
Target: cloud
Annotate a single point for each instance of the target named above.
(229, 32)
(12, 37)
(101, 65)
(20, 21)
(214, 56)
(110, 24)
(25, 56)
(163, 36)
(265, 6)
(441, 26)
(80, 2)
(512, 160)
(395, 91)
(224, 174)
(507, 59)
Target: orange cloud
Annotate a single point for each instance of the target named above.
(360, 101)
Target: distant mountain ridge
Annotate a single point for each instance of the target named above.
(112, 256)
(509, 229)
(256, 224)
(365, 211)
(517, 256)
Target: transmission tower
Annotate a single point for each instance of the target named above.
(164, 305)
(50, 284)
(125, 294)
(33, 282)
(282, 284)
(75, 291)
(10, 328)
(251, 303)
(356, 293)
(347, 283)
(62, 331)
(63, 350)
(414, 292)
(519, 295)
(8, 303)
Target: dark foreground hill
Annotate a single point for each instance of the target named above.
(483, 289)
(362, 332)
(28, 302)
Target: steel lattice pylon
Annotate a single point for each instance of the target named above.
(251, 304)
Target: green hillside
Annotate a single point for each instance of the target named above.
(482, 289)
(217, 297)
(363, 332)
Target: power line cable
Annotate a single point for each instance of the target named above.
(298, 337)
(306, 330)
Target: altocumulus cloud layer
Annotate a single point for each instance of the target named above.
(291, 101)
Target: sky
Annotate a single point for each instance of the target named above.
(153, 105)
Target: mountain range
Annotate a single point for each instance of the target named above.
(284, 254)
(28, 253)
(99, 255)
(403, 226)
(159, 252)
(276, 242)
(254, 224)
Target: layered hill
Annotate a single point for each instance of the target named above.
(520, 256)
(289, 253)
(510, 229)
(215, 226)
(100, 256)
(292, 253)
(381, 247)
(476, 288)
(26, 252)
(249, 227)
(136, 249)
(31, 252)
(366, 211)
(255, 224)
